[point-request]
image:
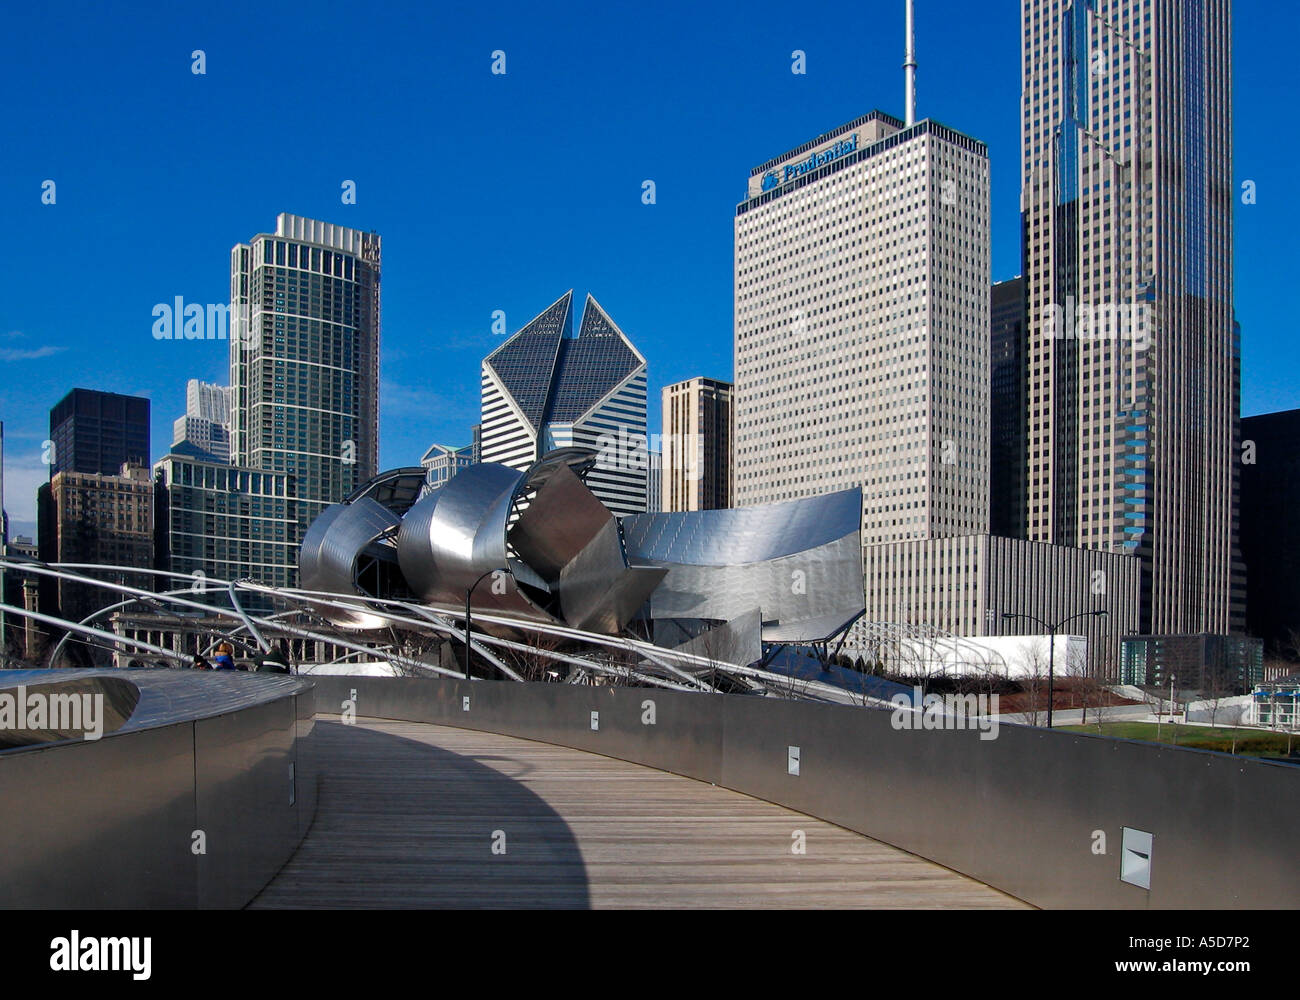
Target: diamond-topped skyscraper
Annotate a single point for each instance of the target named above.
(545, 389)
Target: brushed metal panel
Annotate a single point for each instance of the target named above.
(327, 560)
(737, 641)
(598, 591)
(816, 584)
(109, 823)
(307, 761)
(99, 825)
(241, 765)
(562, 520)
(743, 534)
(456, 534)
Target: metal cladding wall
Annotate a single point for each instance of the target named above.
(109, 824)
(331, 548)
(1019, 812)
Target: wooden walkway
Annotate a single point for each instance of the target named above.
(415, 815)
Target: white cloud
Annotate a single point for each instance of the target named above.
(29, 354)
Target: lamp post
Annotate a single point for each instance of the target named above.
(1051, 647)
(468, 594)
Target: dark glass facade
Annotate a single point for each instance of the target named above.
(305, 376)
(1008, 436)
(227, 522)
(1217, 664)
(98, 432)
(1270, 527)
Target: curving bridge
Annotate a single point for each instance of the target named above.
(417, 815)
(208, 789)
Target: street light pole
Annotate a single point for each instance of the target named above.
(468, 594)
(1051, 673)
(1051, 648)
(1173, 722)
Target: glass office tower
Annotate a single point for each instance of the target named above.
(1132, 375)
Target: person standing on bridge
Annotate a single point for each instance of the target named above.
(224, 660)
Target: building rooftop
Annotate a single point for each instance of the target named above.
(555, 376)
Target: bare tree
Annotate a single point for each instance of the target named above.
(1104, 707)
(787, 685)
(1082, 680)
(1291, 645)
(1033, 665)
(532, 663)
(1215, 690)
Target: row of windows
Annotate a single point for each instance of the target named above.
(288, 254)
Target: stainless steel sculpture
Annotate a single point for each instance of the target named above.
(799, 564)
(779, 573)
(336, 548)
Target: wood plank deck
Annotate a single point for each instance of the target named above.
(409, 815)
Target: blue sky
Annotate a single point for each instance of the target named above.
(491, 192)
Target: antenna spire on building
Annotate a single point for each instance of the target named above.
(909, 70)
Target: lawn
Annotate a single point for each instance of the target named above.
(1245, 742)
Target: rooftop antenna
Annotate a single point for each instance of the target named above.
(909, 70)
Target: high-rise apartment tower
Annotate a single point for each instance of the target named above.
(304, 357)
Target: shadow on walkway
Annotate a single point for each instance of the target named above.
(403, 824)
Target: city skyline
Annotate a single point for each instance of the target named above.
(899, 510)
(101, 339)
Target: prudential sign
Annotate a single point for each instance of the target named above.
(787, 173)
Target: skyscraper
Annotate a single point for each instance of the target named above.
(1007, 409)
(1132, 380)
(862, 327)
(304, 357)
(697, 445)
(96, 507)
(106, 520)
(545, 389)
(224, 521)
(98, 432)
(654, 487)
(204, 431)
